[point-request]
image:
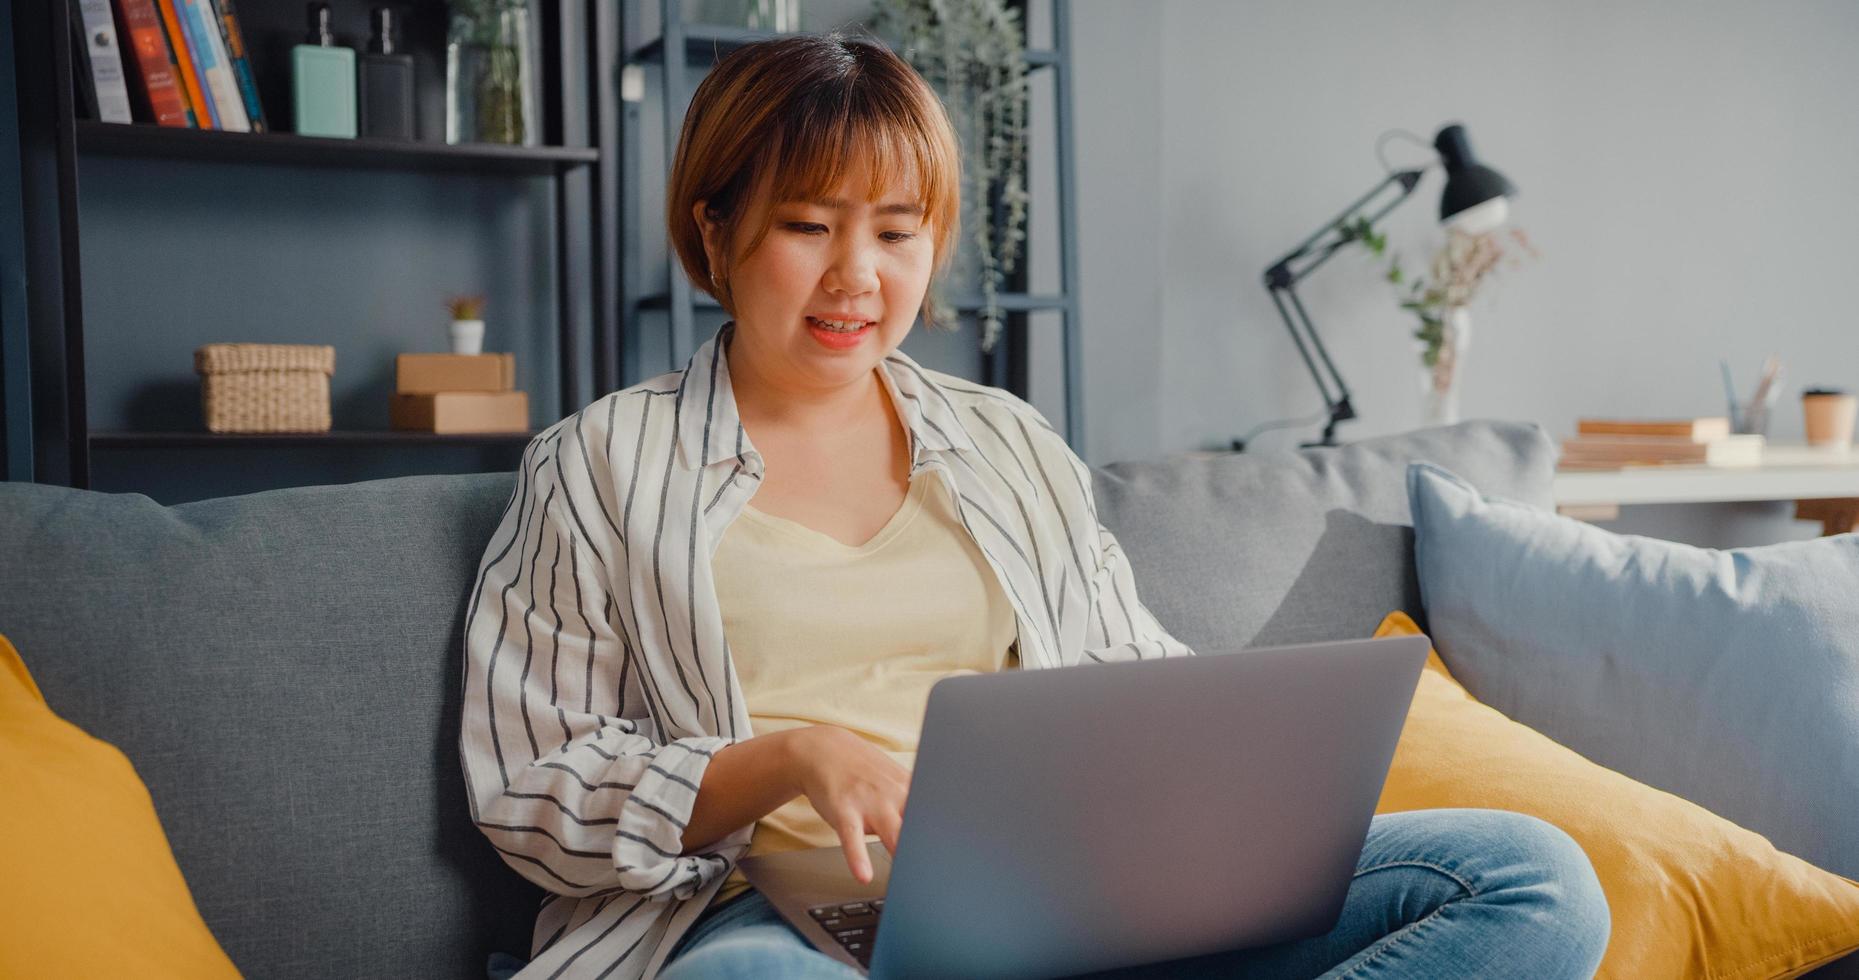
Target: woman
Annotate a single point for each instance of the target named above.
(717, 600)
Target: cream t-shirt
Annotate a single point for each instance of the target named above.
(821, 632)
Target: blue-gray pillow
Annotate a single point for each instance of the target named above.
(1730, 678)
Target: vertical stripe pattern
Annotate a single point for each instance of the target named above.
(597, 678)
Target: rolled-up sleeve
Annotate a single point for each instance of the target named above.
(1121, 627)
(579, 802)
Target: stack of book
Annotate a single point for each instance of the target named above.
(1608, 444)
(179, 63)
(458, 393)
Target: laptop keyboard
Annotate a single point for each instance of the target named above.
(854, 924)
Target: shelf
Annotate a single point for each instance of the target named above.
(964, 303)
(713, 41)
(145, 140)
(336, 438)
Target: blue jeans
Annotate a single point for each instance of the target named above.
(1436, 894)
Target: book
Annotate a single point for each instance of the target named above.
(461, 411)
(202, 26)
(1698, 429)
(1605, 451)
(83, 85)
(421, 374)
(155, 80)
(204, 116)
(105, 60)
(234, 40)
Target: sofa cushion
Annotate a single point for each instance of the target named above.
(76, 817)
(1730, 678)
(283, 670)
(1673, 872)
(1254, 549)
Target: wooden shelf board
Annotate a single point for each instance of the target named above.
(145, 140)
(336, 437)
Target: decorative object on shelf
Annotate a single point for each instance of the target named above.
(323, 80)
(1753, 415)
(1829, 415)
(974, 53)
(386, 91)
(265, 387)
(490, 73)
(457, 393)
(1445, 332)
(467, 330)
(1475, 200)
(778, 16)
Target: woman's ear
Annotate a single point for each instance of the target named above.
(712, 234)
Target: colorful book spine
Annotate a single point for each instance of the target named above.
(202, 26)
(241, 65)
(184, 59)
(156, 77)
(106, 61)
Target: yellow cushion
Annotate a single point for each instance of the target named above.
(1692, 894)
(90, 887)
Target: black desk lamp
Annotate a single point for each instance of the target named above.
(1476, 199)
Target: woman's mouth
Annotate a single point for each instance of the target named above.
(837, 334)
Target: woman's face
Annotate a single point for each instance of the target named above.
(841, 258)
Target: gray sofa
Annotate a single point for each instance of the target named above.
(283, 668)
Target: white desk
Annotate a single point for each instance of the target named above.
(1823, 483)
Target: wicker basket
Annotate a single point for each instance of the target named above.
(265, 387)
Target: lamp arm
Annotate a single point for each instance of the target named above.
(1281, 281)
(1280, 273)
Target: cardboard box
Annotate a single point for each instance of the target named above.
(461, 411)
(422, 374)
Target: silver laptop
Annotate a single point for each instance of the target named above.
(1084, 818)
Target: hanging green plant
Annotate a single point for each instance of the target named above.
(973, 53)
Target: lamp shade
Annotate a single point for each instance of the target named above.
(1476, 198)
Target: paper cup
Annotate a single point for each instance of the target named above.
(1829, 419)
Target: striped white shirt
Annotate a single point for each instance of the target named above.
(598, 682)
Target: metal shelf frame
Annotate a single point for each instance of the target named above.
(679, 45)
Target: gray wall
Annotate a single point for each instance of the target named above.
(1685, 171)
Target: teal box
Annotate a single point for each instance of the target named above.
(323, 90)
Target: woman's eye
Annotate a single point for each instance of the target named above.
(805, 227)
(898, 237)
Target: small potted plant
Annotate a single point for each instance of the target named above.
(467, 323)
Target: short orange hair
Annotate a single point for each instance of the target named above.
(786, 115)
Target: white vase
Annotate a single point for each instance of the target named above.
(1440, 384)
(467, 336)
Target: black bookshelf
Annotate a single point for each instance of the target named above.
(55, 138)
(352, 437)
(148, 141)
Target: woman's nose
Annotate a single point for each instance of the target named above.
(854, 270)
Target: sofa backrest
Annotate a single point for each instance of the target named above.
(1258, 549)
(283, 668)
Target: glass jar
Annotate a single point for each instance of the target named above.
(490, 73)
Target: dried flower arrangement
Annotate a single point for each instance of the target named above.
(973, 53)
(1458, 268)
(467, 306)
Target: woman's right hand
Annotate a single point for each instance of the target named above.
(854, 786)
